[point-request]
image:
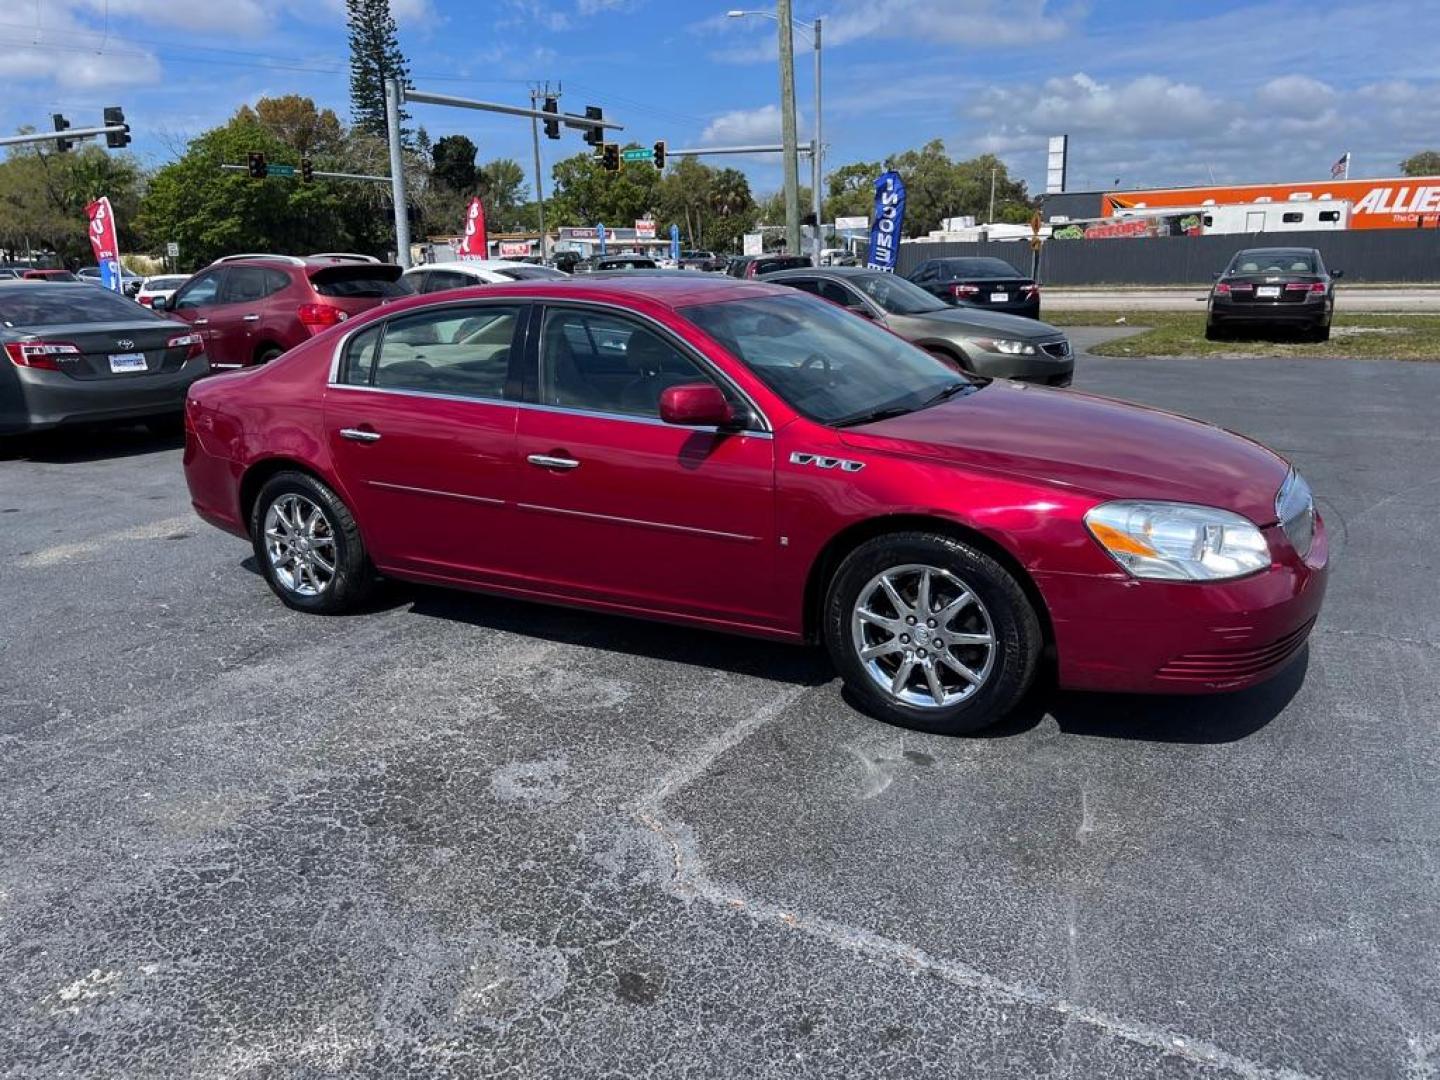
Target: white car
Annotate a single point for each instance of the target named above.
(160, 287)
(437, 277)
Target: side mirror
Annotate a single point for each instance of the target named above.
(1337, 273)
(861, 310)
(695, 405)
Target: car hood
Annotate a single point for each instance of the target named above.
(1109, 448)
(976, 321)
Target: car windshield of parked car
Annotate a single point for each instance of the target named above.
(39, 305)
(825, 362)
(977, 268)
(1273, 262)
(530, 273)
(896, 295)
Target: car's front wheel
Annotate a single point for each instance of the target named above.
(931, 633)
(308, 545)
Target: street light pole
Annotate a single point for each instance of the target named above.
(817, 172)
(539, 182)
(397, 172)
(787, 124)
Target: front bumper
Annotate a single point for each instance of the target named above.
(33, 399)
(1124, 634)
(1037, 368)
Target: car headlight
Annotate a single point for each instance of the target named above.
(1006, 345)
(1295, 509)
(1178, 541)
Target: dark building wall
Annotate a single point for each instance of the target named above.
(1071, 204)
(1374, 255)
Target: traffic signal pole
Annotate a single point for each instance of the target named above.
(64, 136)
(397, 95)
(539, 175)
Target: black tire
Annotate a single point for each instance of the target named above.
(354, 577)
(1213, 331)
(1014, 658)
(270, 352)
(1320, 333)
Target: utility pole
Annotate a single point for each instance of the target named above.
(817, 152)
(535, 95)
(991, 219)
(787, 125)
(397, 172)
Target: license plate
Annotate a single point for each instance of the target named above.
(1268, 292)
(127, 361)
(999, 298)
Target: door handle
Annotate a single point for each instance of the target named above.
(201, 322)
(549, 461)
(252, 318)
(361, 435)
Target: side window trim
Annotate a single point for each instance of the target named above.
(759, 422)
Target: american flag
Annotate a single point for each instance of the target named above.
(1341, 167)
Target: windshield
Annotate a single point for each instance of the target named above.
(896, 295)
(1273, 262)
(530, 273)
(359, 282)
(978, 268)
(41, 305)
(822, 360)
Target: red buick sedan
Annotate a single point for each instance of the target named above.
(750, 458)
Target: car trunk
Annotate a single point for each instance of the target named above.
(117, 350)
(1269, 289)
(1000, 290)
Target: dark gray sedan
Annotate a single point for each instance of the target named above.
(75, 353)
(984, 342)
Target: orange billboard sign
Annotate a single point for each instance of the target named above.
(1408, 202)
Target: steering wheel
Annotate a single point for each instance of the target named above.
(816, 360)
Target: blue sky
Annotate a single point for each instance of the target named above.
(1150, 93)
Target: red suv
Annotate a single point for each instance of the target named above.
(251, 308)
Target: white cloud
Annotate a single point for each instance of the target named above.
(594, 7)
(746, 127)
(1296, 95)
(1147, 105)
(245, 18)
(63, 50)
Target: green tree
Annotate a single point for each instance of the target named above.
(454, 157)
(43, 195)
(851, 190)
(295, 121)
(212, 213)
(502, 183)
(374, 57)
(1425, 163)
(586, 194)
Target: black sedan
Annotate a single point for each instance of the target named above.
(77, 354)
(988, 343)
(614, 262)
(979, 282)
(1277, 286)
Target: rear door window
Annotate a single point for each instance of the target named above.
(455, 351)
(440, 280)
(245, 284)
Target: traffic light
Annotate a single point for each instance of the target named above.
(61, 124)
(610, 157)
(307, 170)
(115, 117)
(660, 154)
(258, 169)
(552, 127)
(594, 136)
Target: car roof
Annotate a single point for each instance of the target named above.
(821, 271)
(1278, 251)
(469, 264)
(668, 288)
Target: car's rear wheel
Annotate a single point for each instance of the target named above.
(1321, 332)
(268, 353)
(1213, 331)
(308, 545)
(931, 633)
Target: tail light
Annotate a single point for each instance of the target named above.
(958, 291)
(1222, 289)
(193, 344)
(1302, 286)
(45, 355)
(750, 269)
(1030, 290)
(318, 316)
(145, 301)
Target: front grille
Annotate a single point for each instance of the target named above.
(1059, 350)
(1231, 664)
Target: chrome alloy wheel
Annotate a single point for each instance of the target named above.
(300, 545)
(923, 636)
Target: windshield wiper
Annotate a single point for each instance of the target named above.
(947, 393)
(891, 411)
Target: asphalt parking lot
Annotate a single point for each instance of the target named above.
(458, 836)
